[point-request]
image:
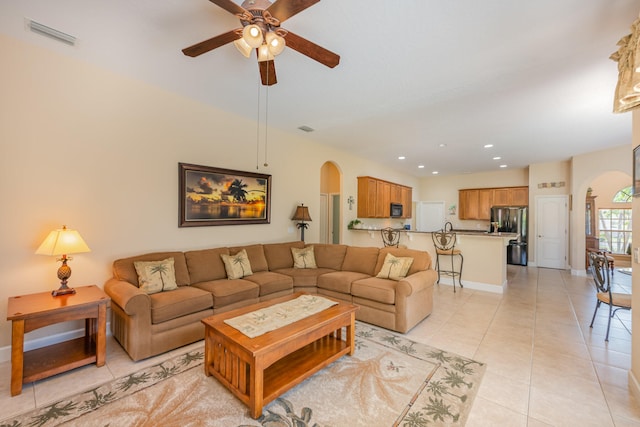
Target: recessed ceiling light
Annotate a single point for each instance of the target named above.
(488, 145)
(401, 157)
(442, 145)
(434, 173)
(497, 158)
(503, 166)
(420, 166)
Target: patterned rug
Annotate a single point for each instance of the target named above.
(390, 381)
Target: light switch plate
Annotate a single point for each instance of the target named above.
(636, 252)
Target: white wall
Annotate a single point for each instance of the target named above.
(98, 152)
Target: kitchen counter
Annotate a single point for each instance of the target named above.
(485, 254)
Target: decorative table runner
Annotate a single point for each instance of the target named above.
(268, 319)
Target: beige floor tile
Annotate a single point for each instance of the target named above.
(610, 357)
(621, 403)
(80, 379)
(505, 391)
(563, 409)
(488, 414)
(611, 375)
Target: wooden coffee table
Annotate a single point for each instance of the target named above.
(258, 370)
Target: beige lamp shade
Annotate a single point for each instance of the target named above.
(63, 241)
(243, 47)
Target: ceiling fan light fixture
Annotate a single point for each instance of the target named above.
(243, 47)
(275, 42)
(264, 54)
(252, 35)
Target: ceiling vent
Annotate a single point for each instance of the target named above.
(43, 30)
(306, 128)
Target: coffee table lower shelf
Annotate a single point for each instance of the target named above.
(279, 377)
(258, 370)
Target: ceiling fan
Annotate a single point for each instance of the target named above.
(261, 30)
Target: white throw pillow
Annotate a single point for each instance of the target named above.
(237, 266)
(304, 258)
(395, 268)
(156, 276)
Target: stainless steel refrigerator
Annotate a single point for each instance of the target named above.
(513, 219)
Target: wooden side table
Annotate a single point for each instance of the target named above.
(34, 311)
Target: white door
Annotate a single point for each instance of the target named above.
(551, 231)
(429, 216)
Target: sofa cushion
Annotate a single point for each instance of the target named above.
(256, 256)
(278, 255)
(206, 264)
(361, 260)
(304, 277)
(339, 281)
(179, 302)
(156, 276)
(394, 268)
(237, 266)
(229, 291)
(329, 256)
(375, 289)
(303, 258)
(421, 259)
(123, 269)
(270, 282)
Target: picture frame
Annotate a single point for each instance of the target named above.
(636, 171)
(210, 196)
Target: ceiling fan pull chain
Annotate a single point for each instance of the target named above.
(266, 122)
(258, 131)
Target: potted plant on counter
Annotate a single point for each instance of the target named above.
(354, 223)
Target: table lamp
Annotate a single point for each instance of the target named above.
(63, 242)
(302, 215)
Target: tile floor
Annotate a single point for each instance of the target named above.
(545, 366)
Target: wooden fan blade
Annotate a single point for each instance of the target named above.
(312, 50)
(268, 72)
(285, 9)
(207, 45)
(229, 6)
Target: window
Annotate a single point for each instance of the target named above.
(615, 230)
(623, 196)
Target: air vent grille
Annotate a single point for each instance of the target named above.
(306, 128)
(43, 30)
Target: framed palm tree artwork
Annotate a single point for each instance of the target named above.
(215, 196)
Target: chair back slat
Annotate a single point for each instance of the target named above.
(600, 272)
(444, 240)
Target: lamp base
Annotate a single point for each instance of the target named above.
(63, 290)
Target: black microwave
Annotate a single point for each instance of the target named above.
(396, 210)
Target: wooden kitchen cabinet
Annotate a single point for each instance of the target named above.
(376, 195)
(476, 203)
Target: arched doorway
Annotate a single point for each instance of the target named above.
(330, 206)
(608, 216)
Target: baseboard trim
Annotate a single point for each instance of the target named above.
(5, 352)
(634, 386)
(478, 286)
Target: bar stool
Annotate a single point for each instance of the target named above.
(445, 245)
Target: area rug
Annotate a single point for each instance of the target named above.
(390, 381)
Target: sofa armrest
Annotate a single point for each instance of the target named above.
(128, 297)
(416, 282)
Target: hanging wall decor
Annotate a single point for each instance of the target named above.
(215, 196)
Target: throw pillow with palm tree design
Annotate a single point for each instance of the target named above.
(395, 268)
(156, 276)
(304, 258)
(237, 266)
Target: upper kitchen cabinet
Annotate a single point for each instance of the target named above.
(511, 196)
(376, 195)
(475, 203)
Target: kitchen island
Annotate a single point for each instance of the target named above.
(485, 254)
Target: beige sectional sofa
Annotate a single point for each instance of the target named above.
(149, 324)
